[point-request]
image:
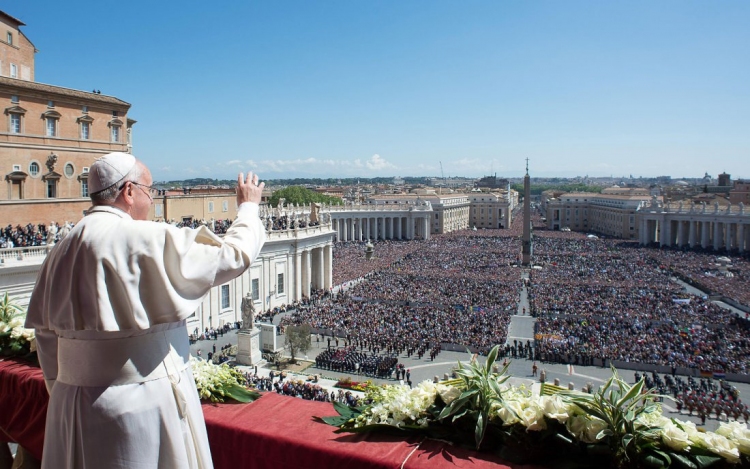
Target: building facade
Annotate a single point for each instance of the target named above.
(450, 211)
(611, 213)
(50, 136)
(492, 210)
(391, 220)
(740, 193)
(690, 225)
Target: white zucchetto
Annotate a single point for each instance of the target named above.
(109, 169)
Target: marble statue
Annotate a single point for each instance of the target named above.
(248, 313)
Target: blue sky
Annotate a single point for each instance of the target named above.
(386, 88)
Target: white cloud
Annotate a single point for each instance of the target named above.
(377, 163)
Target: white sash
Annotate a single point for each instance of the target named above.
(127, 360)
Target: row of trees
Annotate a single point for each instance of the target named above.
(537, 189)
(300, 195)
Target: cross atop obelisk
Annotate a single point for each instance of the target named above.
(526, 248)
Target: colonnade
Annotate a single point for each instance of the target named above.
(360, 227)
(313, 269)
(718, 230)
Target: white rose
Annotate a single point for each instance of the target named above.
(593, 427)
(675, 438)
(4, 328)
(448, 393)
(653, 419)
(738, 433)
(506, 414)
(532, 417)
(720, 445)
(554, 407)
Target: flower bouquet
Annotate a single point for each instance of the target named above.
(219, 382)
(620, 425)
(347, 383)
(15, 340)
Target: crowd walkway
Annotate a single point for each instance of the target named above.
(522, 323)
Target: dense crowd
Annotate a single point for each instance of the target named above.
(301, 389)
(350, 360)
(703, 397)
(456, 289)
(217, 226)
(350, 263)
(26, 236)
(605, 299)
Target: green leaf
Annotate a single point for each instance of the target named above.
(704, 461)
(344, 410)
(480, 429)
(336, 421)
(491, 357)
(652, 460)
(633, 392)
(495, 388)
(241, 393)
(684, 461)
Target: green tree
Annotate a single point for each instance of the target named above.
(300, 195)
(298, 340)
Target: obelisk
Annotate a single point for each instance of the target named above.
(526, 249)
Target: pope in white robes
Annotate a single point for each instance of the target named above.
(109, 309)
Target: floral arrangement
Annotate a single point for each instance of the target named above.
(347, 383)
(219, 382)
(620, 425)
(15, 340)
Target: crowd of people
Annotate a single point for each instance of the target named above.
(605, 299)
(350, 360)
(454, 289)
(23, 236)
(704, 397)
(349, 261)
(301, 389)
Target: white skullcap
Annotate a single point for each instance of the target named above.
(109, 169)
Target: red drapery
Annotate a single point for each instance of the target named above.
(276, 431)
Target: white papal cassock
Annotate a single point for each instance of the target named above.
(109, 308)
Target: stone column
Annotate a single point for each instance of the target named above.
(426, 221)
(717, 235)
(298, 275)
(704, 234)
(328, 283)
(680, 233)
(306, 271)
(729, 236)
(691, 235)
(642, 231)
(663, 231)
(744, 236)
(320, 274)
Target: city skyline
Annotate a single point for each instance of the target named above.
(389, 89)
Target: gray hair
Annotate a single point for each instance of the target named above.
(109, 195)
